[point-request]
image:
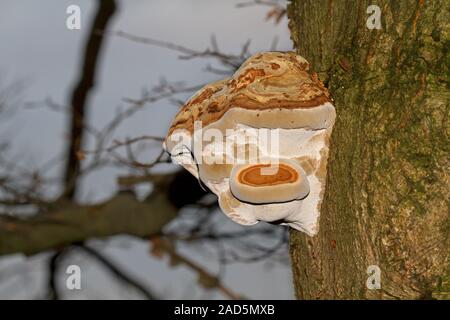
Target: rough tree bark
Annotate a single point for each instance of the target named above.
(386, 201)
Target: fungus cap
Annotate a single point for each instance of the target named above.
(269, 90)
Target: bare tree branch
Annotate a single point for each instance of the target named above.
(269, 3)
(206, 279)
(66, 223)
(232, 61)
(277, 12)
(53, 264)
(116, 271)
(80, 94)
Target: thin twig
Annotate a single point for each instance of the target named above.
(117, 272)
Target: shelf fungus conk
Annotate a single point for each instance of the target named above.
(259, 140)
(288, 183)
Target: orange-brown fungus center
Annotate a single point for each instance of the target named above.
(252, 175)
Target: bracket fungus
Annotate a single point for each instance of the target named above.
(259, 140)
(288, 183)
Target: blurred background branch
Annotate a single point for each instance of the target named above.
(176, 213)
(105, 11)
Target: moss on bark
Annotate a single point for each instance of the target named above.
(387, 196)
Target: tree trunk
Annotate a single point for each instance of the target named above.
(386, 201)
